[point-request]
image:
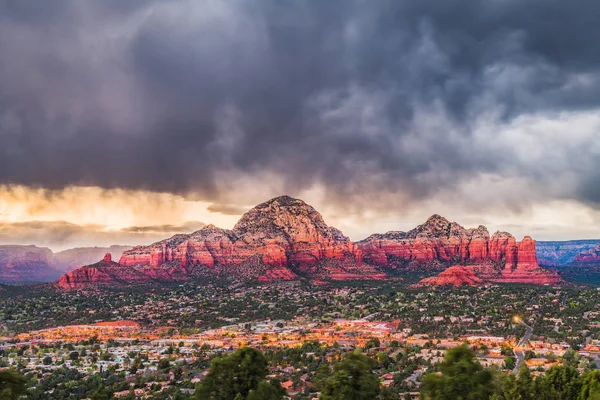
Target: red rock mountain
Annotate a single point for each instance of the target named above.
(281, 239)
(439, 243)
(286, 239)
(26, 264)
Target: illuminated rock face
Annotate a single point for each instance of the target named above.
(281, 239)
(289, 236)
(439, 243)
(457, 275)
(286, 239)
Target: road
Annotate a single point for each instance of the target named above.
(518, 350)
(369, 317)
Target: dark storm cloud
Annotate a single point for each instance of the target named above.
(359, 96)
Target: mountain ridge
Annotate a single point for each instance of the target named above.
(286, 239)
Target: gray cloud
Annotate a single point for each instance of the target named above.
(190, 226)
(59, 235)
(227, 209)
(361, 97)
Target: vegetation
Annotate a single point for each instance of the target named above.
(239, 376)
(352, 379)
(460, 377)
(12, 385)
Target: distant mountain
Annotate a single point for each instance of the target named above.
(287, 239)
(575, 260)
(591, 256)
(27, 264)
(32, 264)
(561, 253)
(68, 260)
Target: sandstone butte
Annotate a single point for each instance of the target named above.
(287, 239)
(456, 275)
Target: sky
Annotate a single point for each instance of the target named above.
(127, 122)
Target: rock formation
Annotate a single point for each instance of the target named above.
(26, 264)
(439, 243)
(281, 239)
(102, 273)
(456, 275)
(286, 239)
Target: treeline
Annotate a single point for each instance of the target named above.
(243, 375)
(461, 377)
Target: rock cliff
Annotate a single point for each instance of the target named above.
(439, 243)
(286, 239)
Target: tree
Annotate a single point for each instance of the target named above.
(460, 377)
(267, 391)
(163, 364)
(521, 388)
(509, 362)
(561, 382)
(591, 386)
(237, 375)
(12, 384)
(352, 379)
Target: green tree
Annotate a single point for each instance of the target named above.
(352, 379)
(591, 386)
(561, 382)
(267, 391)
(235, 376)
(12, 384)
(521, 388)
(460, 377)
(509, 362)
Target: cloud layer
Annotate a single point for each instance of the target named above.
(376, 105)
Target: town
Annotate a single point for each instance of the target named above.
(162, 342)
